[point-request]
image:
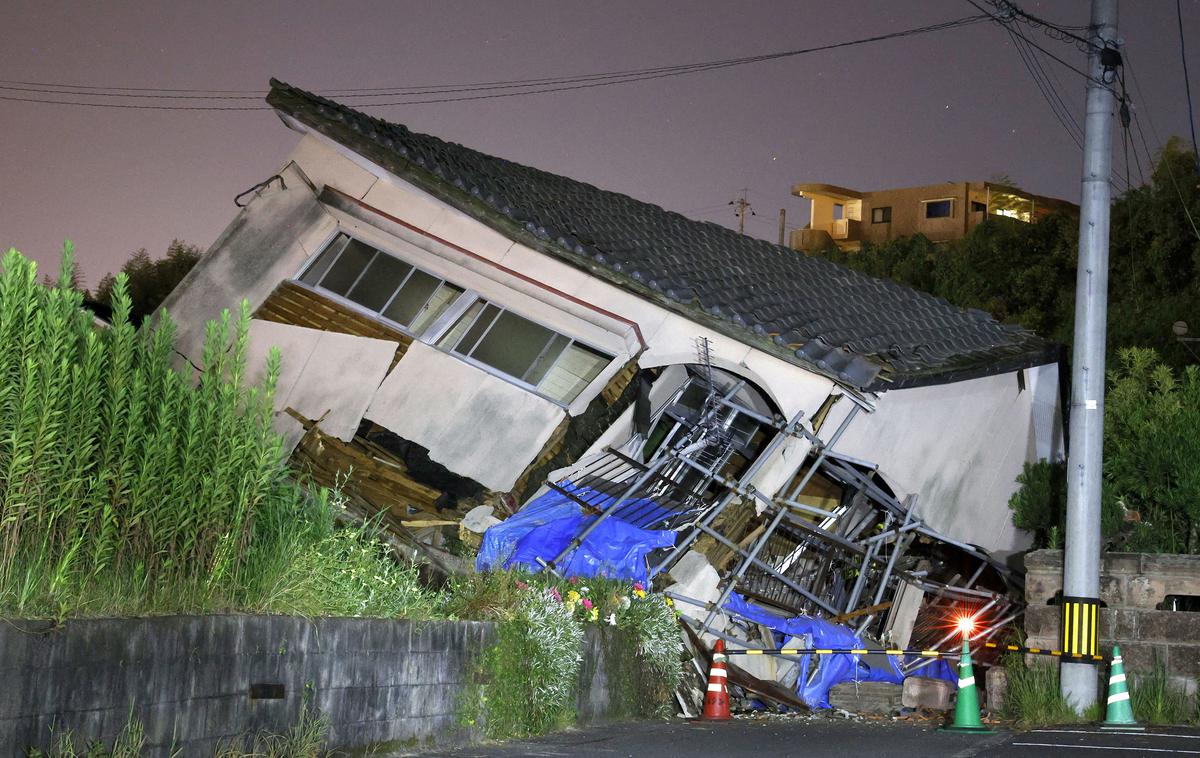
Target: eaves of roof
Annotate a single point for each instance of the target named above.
(865, 333)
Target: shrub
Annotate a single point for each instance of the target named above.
(1150, 500)
(531, 673)
(1040, 504)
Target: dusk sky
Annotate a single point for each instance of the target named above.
(945, 106)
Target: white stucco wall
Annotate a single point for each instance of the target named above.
(959, 448)
(322, 374)
(473, 423)
(670, 338)
(266, 243)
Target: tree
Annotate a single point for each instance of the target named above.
(1024, 273)
(150, 281)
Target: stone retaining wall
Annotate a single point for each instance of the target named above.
(195, 681)
(1134, 587)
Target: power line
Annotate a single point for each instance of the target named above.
(999, 20)
(1028, 50)
(1137, 121)
(1186, 83)
(1058, 32)
(519, 87)
(1053, 100)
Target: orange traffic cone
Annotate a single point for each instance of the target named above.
(716, 700)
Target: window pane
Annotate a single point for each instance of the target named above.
(411, 297)
(486, 318)
(451, 338)
(512, 345)
(549, 355)
(435, 307)
(575, 369)
(353, 260)
(939, 209)
(326, 259)
(379, 282)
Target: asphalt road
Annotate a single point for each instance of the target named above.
(819, 737)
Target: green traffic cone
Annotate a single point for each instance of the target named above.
(1119, 715)
(966, 707)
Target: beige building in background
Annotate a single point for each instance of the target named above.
(942, 212)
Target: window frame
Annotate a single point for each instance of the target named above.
(925, 208)
(376, 314)
(438, 328)
(885, 211)
(432, 340)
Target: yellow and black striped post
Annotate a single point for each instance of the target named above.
(1080, 620)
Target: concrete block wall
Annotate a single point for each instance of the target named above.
(1134, 587)
(189, 678)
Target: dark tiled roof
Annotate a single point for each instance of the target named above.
(866, 332)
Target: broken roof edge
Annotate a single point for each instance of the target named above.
(853, 371)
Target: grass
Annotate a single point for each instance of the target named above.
(129, 744)
(128, 488)
(1156, 700)
(304, 740)
(1033, 698)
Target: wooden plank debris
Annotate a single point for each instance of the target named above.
(361, 468)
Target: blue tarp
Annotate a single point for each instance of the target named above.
(813, 686)
(546, 525)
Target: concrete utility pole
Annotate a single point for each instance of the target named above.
(782, 223)
(1081, 559)
(741, 205)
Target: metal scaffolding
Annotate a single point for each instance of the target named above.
(847, 561)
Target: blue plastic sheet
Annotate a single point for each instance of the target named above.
(813, 686)
(545, 526)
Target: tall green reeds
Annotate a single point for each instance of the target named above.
(119, 474)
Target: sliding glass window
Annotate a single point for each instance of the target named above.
(486, 334)
(381, 283)
(553, 364)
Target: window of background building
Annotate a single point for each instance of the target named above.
(938, 208)
(881, 215)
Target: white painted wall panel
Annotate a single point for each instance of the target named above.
(321, 374)
(475, 424)
(260, 248)
(959, 447)
(325, 167)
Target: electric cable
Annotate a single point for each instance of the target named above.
(1000, 21)
(1137, 122)
(521, 87)
(1187, 85)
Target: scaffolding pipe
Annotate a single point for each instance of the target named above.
(770, 570)
(762, 541)
(575, 543)
(751, 471)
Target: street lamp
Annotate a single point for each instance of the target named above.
(1180, 330)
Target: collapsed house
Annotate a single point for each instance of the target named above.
(460, 330)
